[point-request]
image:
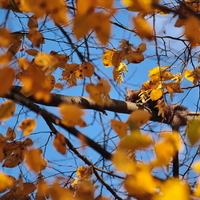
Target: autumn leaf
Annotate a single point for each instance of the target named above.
(139, 117)
(72, 115)
(10, 134)
(193, 131)
(7, 110)
(34, 160)
(32, 52)
(32, 22)
(173, 189)
(27, 125)
(6, 182)
(122, 162)
(111, 57)
(7, 76)
(156, 94)
(84, 172)
(59, 143)
(135, 140)
(5, 37)
(14, 48)
(119, 127)
(88, 69)
(144, 30)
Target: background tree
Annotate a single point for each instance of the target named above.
(67, 131)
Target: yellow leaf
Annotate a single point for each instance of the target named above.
(5, 37)
(197, 189)
(135, 140)
(88, 69)
(173, 189)
(27, 125)
(119, 127)
(84, 172)
(7, 110)
(139, 117)
(122, 162)
(23, 64)
(111, 57)
(59, 143)
(141, 183)
(34, 160)
(156, 94)
(6, 182)
(156, 70)
(193, 131)
(196, 166)
(72, 115)
(7, 76)
(99, 92)
(144, 30)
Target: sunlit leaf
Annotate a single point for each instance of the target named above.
(156, 94)
(119, 127)
(6, 182)
(111, 57)
(144, 30)
(139, 117)
(135, 140)
(84, 172)
(59, 143)
(173, 189)
(72, 115)
(88, 69)
(141, 183)
(7, 110)
(23, 64)
(122, 162)
(35, 161)
(27, 125)
(193, 131)
(196, 166)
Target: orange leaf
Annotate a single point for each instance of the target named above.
(27, 125)
(88, 69)
(7, 76)
(59, 143)
(34, 160)
(7, 110)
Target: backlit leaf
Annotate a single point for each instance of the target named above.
(193, 131)
(72, 115)
(139, 117)
(119, 127)
(196, 166)
(7, 110)
(144, 30)
(135, 140)
(59, 143)
(111, 57)
(14, 48)
(88, 69)
(173, 189)
(35, 161)
(156, 94)
(32, 22)
(27, 125)
(6, 182)
(10, 134)
(32, 52)
(122, 162)
(5, 37)
(84, 172)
